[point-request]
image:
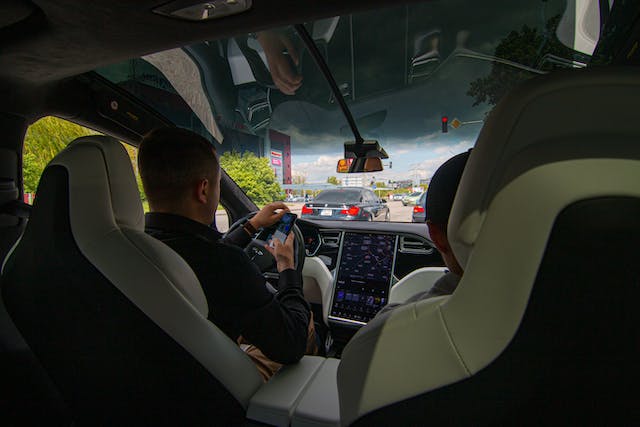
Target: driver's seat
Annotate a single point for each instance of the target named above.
(117, 319)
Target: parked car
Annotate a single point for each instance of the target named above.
(420, 209)
(295, 199)
(411, 199)
(352, 203)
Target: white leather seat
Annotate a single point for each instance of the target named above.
(418, 281)
(557, 160)
(118, 319)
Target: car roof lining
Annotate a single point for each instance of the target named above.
(61, 47)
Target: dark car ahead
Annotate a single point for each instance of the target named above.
(419, 210)
(349, 203)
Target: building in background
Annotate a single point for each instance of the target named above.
(278, 151)
(353, 180)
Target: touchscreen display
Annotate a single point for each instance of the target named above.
(364, 276)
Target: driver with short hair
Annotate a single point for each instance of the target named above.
(180, 173)
(440, 196)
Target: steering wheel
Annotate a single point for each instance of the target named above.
(263, 258)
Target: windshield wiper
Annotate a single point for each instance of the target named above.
(320, 62)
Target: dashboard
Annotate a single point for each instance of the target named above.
(363, 262)
(414, 249)
(363, 277)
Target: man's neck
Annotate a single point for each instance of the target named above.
(184, 210)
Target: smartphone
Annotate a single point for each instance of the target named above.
(283, 228)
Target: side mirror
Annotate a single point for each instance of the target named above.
(354, 165)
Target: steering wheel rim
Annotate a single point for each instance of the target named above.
(298, 244)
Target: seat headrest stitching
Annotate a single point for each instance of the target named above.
(452, 342)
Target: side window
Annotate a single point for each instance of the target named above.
(49, 135)
(369, 197)
(46, 138)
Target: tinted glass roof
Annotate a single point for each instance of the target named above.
(400, 70)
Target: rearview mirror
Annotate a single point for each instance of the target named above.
(363, 156)
(354, 165)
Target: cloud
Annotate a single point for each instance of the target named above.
(318, 170)
(453, 149)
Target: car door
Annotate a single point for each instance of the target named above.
(376, 211)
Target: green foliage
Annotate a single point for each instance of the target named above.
(132, 152)
(528, 47)
(333, 180)
(254, 175)
(44, 139)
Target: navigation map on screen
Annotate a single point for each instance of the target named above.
(364, 276)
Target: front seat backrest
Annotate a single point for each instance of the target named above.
(546, 223)
(117, 319)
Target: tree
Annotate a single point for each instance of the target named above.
(527, 47)
(44, 139)
(133, 152)
(333, 180)
(253, 174)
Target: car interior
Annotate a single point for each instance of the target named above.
(101, 324)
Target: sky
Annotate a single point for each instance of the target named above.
(404, 115)
(407, 125)
(409, 161)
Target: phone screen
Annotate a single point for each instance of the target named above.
(283, 228)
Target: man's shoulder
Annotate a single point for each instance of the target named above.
(192, 245)
(445, 285)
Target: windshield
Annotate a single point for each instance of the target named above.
(339, 196)
(419, 78)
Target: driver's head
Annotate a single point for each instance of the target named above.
(440, 194)
(180, 173)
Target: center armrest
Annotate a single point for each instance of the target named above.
(319, 406)
(275, 401)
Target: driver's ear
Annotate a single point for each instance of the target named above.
(439, 237)
(202, 190)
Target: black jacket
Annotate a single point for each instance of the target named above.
(239, 302)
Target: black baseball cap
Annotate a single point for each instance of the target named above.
(442, 188)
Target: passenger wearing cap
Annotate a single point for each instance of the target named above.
(440, 195)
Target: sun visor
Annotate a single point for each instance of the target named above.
(182, 72)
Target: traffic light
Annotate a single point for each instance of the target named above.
(390, 165)
(445, 123)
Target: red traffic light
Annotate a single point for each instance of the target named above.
(445, 119)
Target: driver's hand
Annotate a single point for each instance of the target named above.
(283, 254)
(269, 215)
(284, 76)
